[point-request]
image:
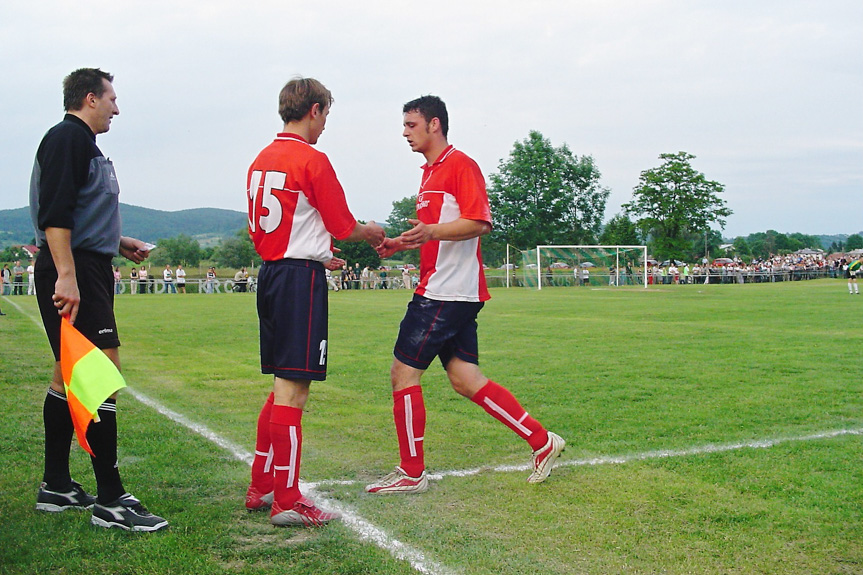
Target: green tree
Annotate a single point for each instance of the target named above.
(546, 195)
(836, 247)
(807, 241)
(620, 231)
(675, 203)
(12, 253)
(782, 244)
(741, 247)
(703, 245)
(180, 249)
(762, 245)
(854, 242)
(237, 251)
(397, 222)
(358, 252)
(493, 250)
(403, 210)
(766, 244)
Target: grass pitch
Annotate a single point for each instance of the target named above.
(666, 397)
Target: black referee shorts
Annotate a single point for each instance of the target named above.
(96, 311)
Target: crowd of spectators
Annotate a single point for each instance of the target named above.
(807, 264)
(383, 277)
(17, 280)
(790, 267)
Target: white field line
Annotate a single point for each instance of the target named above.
(366, 530)
(621, 459)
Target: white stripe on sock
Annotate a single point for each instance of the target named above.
(515, 423)
(268, 465)
(291, 467)
(409, 424)
(292, 474)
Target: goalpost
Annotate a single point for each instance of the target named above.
(585, 265)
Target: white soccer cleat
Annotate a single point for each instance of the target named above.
(545, 458)
(399, 482)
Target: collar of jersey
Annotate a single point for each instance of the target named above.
(291, 136)
(440, 159)
(80, 123)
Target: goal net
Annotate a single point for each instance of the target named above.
(567, 266)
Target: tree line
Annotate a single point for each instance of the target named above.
(546, 195)
(237, 251)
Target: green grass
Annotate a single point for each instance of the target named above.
(616, 372)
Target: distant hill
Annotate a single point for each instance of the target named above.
(199, 223)
(15, 227)
(826, 241)
(207, 225)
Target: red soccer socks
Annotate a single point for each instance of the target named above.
(262, 464)
(410, 417)
(287, 438)
(503, 406)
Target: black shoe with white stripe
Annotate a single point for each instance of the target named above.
(73, 497)
(126, 513)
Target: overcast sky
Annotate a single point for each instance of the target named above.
(767, 94)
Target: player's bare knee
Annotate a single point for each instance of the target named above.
(467, 384)
(403, 376)
(459, 387)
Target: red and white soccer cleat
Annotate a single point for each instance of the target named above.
(257, 501)
(399, 482)
(545, 458)
(304, 512)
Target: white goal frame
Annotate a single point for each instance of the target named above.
(617, 249)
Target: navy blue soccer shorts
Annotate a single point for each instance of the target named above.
(292, 314)
(443, 329)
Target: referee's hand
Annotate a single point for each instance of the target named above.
(67, 298)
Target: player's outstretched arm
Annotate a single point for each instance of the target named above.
(371, 233)
(388, 247)
(455, 231)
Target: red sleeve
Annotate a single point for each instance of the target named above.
(471, 194)
(327, 196)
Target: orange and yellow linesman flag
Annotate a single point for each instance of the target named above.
(89, 376)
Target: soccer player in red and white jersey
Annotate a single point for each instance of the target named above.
(453, 212)
(296, 206)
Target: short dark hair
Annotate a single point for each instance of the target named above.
(430, 107)
(299, 95)
(81, 82)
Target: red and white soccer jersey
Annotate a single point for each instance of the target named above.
(452, 188)
(296, 204)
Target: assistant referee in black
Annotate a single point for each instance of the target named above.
(74, 205)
